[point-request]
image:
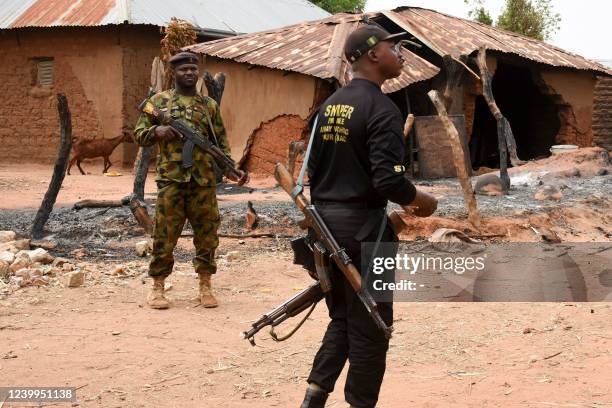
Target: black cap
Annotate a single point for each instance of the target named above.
(184, 57)
(365, 37)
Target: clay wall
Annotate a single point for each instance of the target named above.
(86, 68)
(256, 95)
(602, 113)
(576, 90)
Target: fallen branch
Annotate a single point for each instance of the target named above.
(79, 205)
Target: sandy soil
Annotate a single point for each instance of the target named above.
(103, 340)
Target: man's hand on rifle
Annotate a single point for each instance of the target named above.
(239, 180)
(166, 133)
(423, 205)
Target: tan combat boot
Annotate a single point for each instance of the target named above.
(206, 296)
(156, 298)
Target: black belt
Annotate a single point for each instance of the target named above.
(376, 214)
(349, 204)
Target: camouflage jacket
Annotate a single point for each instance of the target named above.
(193, 111)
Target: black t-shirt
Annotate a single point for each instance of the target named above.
(358, 149)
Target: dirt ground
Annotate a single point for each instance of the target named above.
(101, 338)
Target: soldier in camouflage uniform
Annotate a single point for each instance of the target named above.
(184, 193)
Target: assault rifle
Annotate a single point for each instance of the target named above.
(311, 295)
(192, 137)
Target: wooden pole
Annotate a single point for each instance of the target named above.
(141, 168)
(458, 159)
(59, 170)
(454, 73)
(141, 165)
(215, 86)
(139, 210)
(408, 126)
(504, 131)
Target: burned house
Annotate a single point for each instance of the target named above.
(99, 54)
(277, 78)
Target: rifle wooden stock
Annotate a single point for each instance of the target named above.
(338, 254)
(284, 179)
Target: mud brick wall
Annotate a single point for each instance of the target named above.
(140, 45)
(269, 144)
(602, 113)
(574, 91)
(85, 62)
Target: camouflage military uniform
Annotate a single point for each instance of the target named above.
(184, 193)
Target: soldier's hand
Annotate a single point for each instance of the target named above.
(423, 205)
(243, 179)
(166, 133)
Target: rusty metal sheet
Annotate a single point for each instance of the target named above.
(311, 48)
(449, 35)
(239, 17)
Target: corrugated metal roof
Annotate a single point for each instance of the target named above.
(449, 35)
(606, 62)
(238, 16)
(311, 48)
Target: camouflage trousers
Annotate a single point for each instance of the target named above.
(177, 202)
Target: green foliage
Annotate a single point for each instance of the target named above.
(533, 18)
(478, 12)
(339, 6)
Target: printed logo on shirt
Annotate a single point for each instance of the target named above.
(333, 128)
(399, 168)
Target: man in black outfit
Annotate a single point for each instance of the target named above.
(355, 168)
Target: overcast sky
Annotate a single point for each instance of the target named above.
(585, 24)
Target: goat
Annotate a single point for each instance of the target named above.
(89, 149)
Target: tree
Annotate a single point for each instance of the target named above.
(339, 6)
(532, 18)
(478, 12)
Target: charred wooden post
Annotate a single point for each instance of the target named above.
(139, 210)
(215, 86)
(408, 125)
(454, 73)
(296, 148)
(141, 168)
(504, 131)
(59, 169)
(141, 165)
(458, 158)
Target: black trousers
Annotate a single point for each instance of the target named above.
(352, 334)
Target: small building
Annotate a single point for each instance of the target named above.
(546, 93)
(276, 78)
(99, 54)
